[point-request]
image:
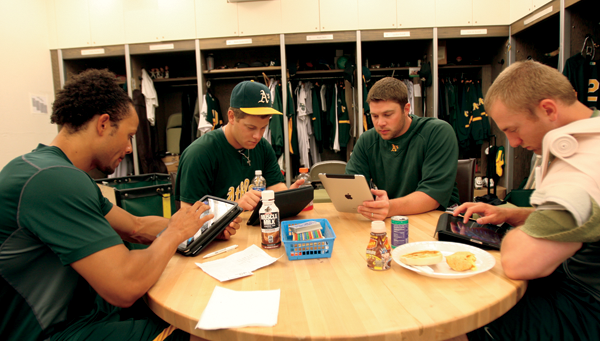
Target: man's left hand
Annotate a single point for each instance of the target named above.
(377, 209)
(297, 184)
(231, 229)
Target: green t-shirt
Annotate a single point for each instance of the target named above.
(423, 159)
(211, 166)
(52, 215)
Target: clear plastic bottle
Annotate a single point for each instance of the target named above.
(259, 183)
(379, 250)
(270, 224)
(304, 175)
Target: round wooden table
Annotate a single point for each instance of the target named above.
(339, 297)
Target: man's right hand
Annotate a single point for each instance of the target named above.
(249, 200)
(188, 221)
(489, 214)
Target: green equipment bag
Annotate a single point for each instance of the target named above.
(141, 195)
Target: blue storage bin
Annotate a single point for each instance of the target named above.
(308, 249)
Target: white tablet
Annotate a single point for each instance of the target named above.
(346, 191)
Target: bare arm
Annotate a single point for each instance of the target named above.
(383, 207)
(525, 257)
(514, 216)
(142, 230)
(122, 276)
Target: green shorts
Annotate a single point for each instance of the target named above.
(553, 308)
(108, 322)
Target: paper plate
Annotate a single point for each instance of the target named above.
(485, 260)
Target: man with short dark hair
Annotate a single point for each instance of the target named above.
(556, 244)
(411, 159)
(64, 270)
(223, 162)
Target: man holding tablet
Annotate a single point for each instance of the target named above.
(411, 159)
(222, 162)
(556, 245)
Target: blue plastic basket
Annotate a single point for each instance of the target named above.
(308, 249)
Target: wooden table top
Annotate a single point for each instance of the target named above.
(339, 297)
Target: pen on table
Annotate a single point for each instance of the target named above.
(220, 251)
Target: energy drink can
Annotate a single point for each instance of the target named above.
(399, 231)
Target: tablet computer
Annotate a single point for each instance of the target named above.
(488, 236)
(347, 191)
(224, 210)
(289, 202)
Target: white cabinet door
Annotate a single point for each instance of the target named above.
(177, 19)
(216, 19)
(491, 12)
(453, 13)
(519, 9)
(338, 15)
(376, 14)
(412, 14)
(299, 16)
(72, 23)
(106, 22)
(259, 17)
(158, 20)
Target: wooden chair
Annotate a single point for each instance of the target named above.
(465, 177)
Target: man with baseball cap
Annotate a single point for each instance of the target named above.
(222, 163)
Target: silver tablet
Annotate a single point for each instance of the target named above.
(346, 191)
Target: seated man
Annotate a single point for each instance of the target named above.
(222, 162)
(64, 271)
(555, 245)
(411, 159)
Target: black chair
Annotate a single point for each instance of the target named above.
(465, 179)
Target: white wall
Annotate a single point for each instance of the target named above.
(25, 69)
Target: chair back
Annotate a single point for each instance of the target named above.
(173, 133)
(329, 166)
(465, 179)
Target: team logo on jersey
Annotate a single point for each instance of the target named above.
(394, 148)
(234, 194)
(264, 97)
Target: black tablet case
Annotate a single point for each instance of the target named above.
(289, 202)
(484, 236)
(214, 230)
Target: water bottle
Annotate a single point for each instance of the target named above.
(304, 175)
(259, 183)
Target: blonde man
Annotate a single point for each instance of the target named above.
(556, 244)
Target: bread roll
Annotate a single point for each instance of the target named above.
(427, 257)
(461, 261)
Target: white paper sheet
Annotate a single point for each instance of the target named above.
(239, 264)
(234, 309)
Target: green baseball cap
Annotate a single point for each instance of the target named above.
(252, 98)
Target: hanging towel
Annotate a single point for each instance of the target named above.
(151, 98)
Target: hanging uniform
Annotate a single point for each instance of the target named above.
(583, 75)
(478, 129)
(276, 123)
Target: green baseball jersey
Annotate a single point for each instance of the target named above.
(276, 124)
(213, 111)
(211, 166)
(583, 75)
(423, 159)
(53, 215)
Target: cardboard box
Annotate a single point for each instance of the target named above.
(500, 192)
(172, 163)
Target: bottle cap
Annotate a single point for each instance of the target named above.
(268, 194)
(258, 172)
(303, 170)
(377, 226)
